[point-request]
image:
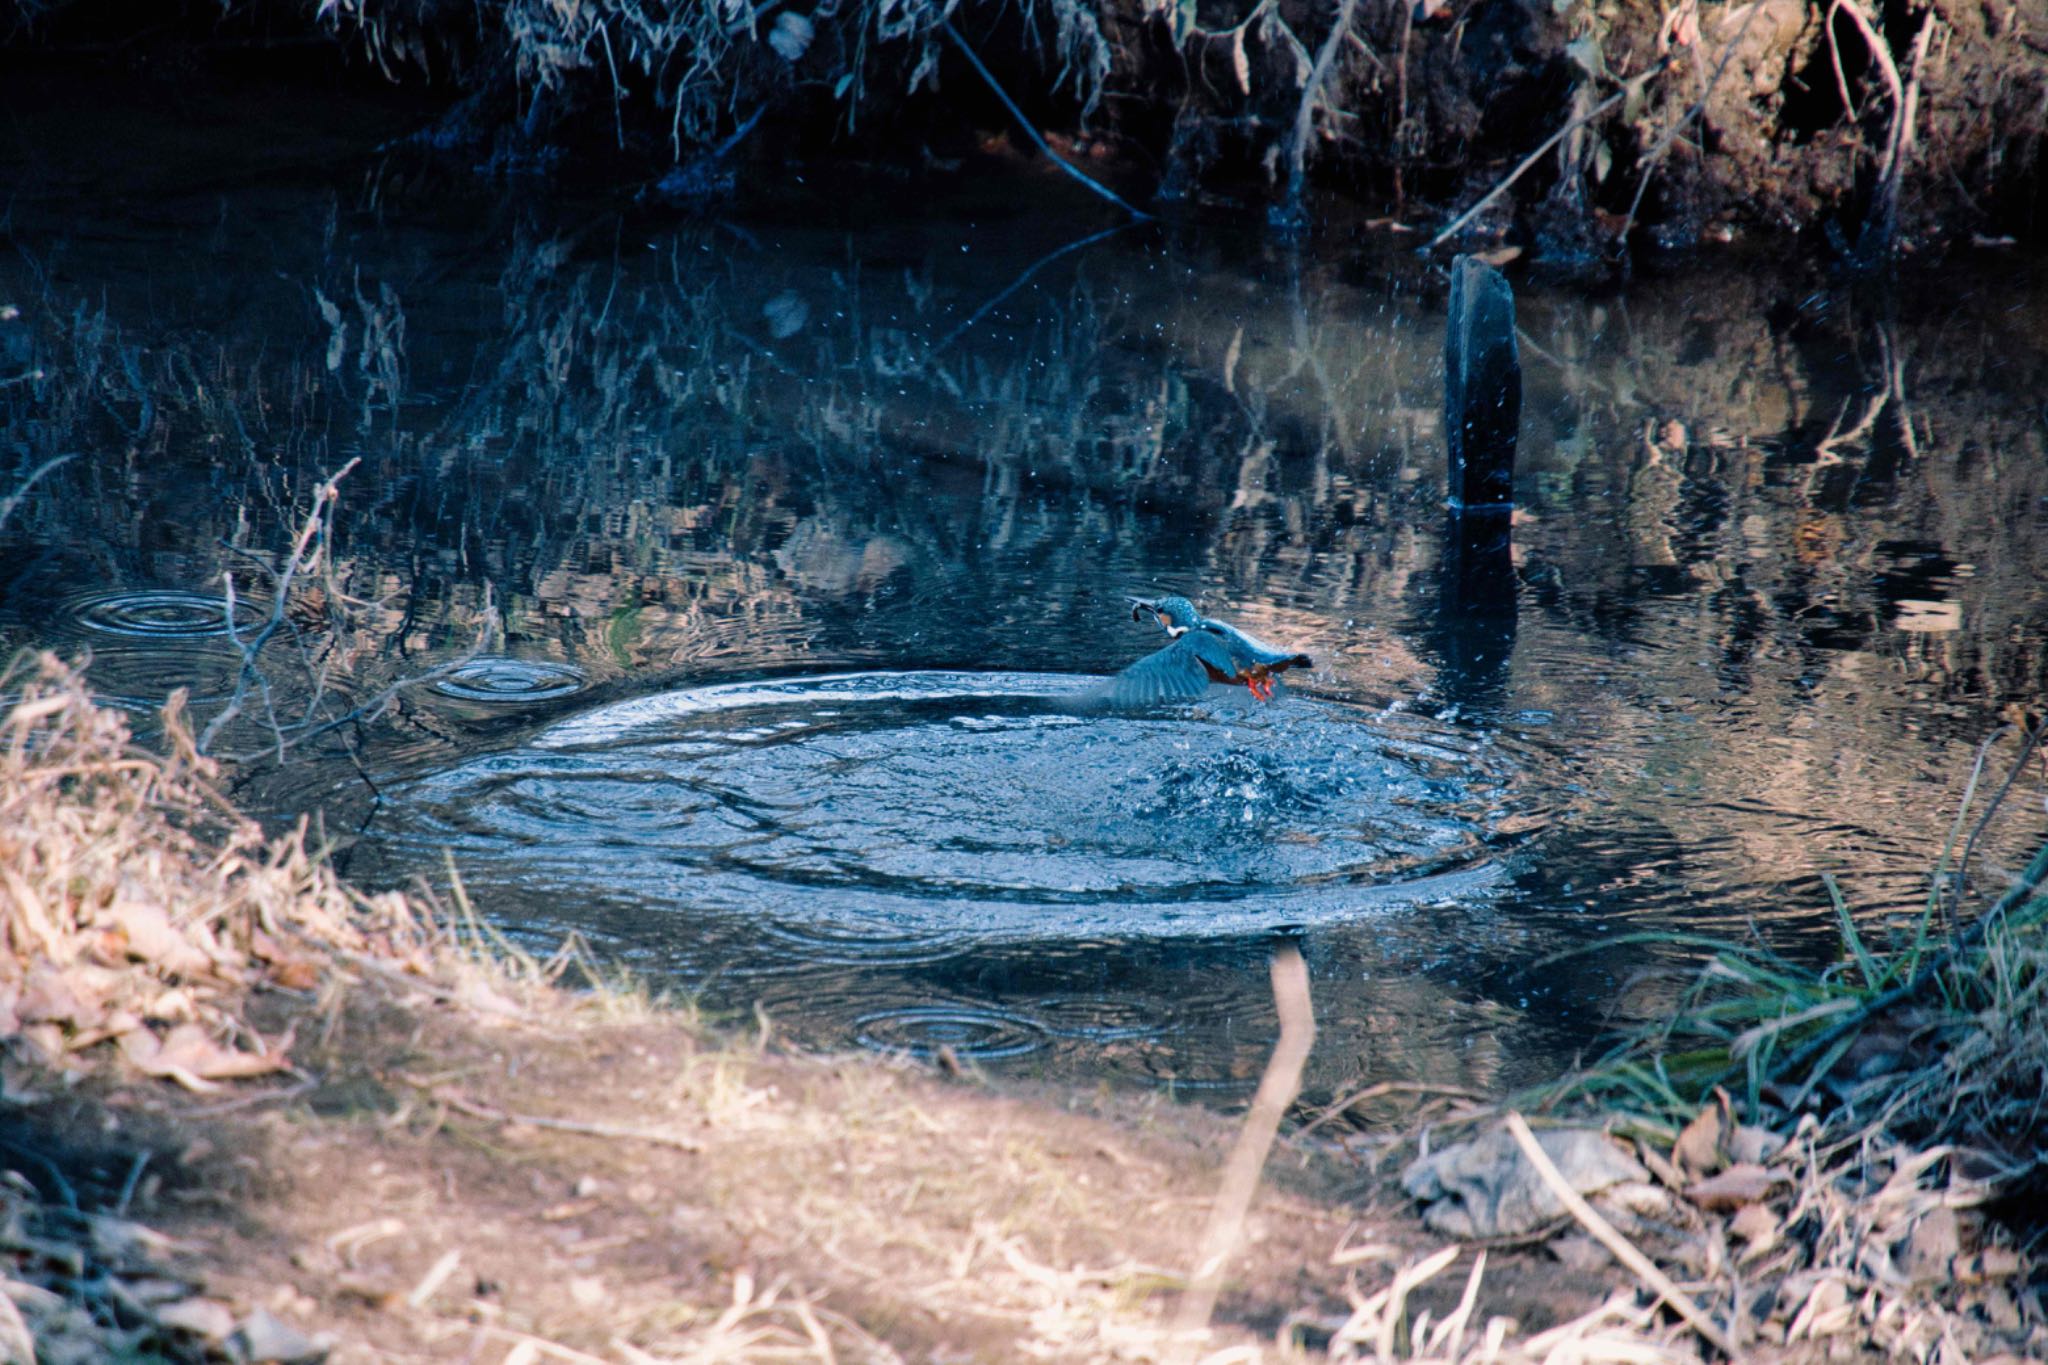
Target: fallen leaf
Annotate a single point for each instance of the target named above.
(1931, 1247)
(1698, 1149)
(189, 1056)
(1753, 1145)
(152, 938)
(1757, 1226)
(1992, 1263)
(1734, 1187)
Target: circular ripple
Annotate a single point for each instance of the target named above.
(902, 816)
(969, 1032)
(142, 675)
(512, 680)
(167, 613)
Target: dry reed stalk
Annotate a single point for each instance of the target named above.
(1277, 1089)
(1605, 1233)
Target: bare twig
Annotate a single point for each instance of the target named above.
(615, 1132)
(1373, 1092)
(1304, 112)
(989, 78)
(1624, 1250)
(309, 530)
(13, 500)
(1277, 1089)
(1458, 223)
(2030, 739)
(1664, 143)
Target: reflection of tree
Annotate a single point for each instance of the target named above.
(713, 456)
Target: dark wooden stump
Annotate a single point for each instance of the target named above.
(1482, 387)
(1482, 418)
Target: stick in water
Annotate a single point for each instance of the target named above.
(1277, 1089)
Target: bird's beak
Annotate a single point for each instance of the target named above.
(1139, 606)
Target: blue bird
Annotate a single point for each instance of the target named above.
(1202, 652)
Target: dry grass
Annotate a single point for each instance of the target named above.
(140, 910)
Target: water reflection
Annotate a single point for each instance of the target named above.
(1776, 568)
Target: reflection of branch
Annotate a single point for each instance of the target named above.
(1022, 122)
(13, 500)
(1047, 259)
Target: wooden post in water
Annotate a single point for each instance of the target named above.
(1482, 388)
(1482, 418)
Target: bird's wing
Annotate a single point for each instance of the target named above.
(1174, 673)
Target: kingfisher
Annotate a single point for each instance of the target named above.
(1202, 652)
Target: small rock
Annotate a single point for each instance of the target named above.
(266, 1339)
(1487, 1188)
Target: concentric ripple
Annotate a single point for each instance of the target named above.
(501, 679)
(161, 613)
(900, 816)
(970, 1032)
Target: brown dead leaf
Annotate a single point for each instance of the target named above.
(1698, 1150)
(48, 996)
(1733, 1188)
(297, 974)
(152, 938)
(1653, 1161)
(1757, 1226)
(189, 1056)
(1992, 1263)
(1752, 1145)
(1827, 1310)
(1932, 1246)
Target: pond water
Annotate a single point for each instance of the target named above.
(745, 572)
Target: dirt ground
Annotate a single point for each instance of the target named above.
(559, 1180)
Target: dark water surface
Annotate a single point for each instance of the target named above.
(799, 529)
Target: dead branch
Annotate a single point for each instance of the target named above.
(988, 78)
(1624, 1250)
(309, 530)
(1290, 210)
(1277, 1089)
(1664, 143)
(1458, 223)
